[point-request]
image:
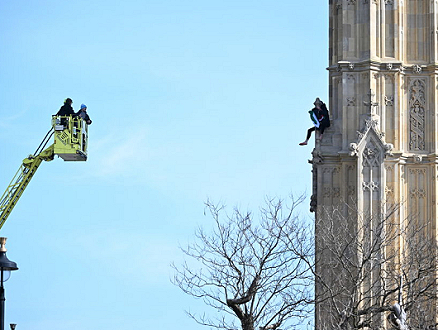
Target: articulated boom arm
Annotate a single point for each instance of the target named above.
(20, 182)
(70, 143)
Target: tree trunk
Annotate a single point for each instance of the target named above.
(248, 322)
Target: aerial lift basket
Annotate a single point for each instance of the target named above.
(71, 138)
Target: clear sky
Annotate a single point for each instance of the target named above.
(189, 100)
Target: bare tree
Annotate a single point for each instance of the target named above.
(255, 272)
(374, 271)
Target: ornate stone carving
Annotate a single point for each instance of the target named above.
(389, 190)
(313, 203)
(370, 186)
(416, 68)
(418, 159)
(354, 149)
(388, 149)
(388, 66)
(371, 104)
(389, 101)
(351, 66)
(417, 104)
(351, 101)
(371, 157)
(317, 157)
(417, 171)
(370, 124)
(417, 178)
(418, 193)
(331, 190)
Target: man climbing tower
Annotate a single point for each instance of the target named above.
(320, 118)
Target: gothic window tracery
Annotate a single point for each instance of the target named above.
(371, 156)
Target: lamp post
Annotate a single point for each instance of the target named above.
(6, 266)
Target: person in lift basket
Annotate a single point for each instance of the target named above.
(84, 115)
(66, 109)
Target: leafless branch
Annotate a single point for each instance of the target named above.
(254, 269)
(360, 259)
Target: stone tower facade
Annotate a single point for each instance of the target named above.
(383, 89)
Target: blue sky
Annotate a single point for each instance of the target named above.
(189, 100)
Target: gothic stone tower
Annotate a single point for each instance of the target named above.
(383, 88)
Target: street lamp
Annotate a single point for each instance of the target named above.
(6, 266)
